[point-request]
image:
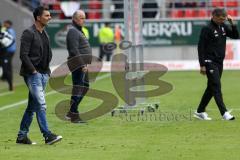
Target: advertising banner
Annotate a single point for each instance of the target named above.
(155, 33)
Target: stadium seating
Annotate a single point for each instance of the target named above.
(56, 7)
(232, 3)
(174, 8)
(217, 3)
(190, 13)
(202, 13)
(232, 12)
(94, 6)
(177, 13)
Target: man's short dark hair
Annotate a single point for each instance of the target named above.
(219, 12)
(8, 22)
(107, 24)
(38, 11)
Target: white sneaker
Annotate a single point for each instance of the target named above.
(202, 116)
(227, 116)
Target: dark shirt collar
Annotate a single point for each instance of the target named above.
(35, 29)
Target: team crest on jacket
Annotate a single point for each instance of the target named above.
(211, 71)
(215, 33)
(223, 30)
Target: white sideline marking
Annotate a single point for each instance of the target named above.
(15, 85)
(229, 110)
(5, 93)
(13, 105)
(47, 94)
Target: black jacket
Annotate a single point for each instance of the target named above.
(31, 51)
(212, 42)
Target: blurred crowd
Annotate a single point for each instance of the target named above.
(101, 9)
(201, 8)
(95, 9)
(7, 51)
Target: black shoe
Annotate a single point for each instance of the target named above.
(24, 140)
(52, 138)
(10, 88)
(74, 117)
(3, 78)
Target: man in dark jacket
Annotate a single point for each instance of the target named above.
(80, 52)
(35, 54)
(211, 52)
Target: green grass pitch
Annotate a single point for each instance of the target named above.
(129, 138)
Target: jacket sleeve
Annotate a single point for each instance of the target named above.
(202, 46)
(73, 42)
(232, 31)
(25, 46)
(73, 50)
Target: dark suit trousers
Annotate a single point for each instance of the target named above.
(80, 87)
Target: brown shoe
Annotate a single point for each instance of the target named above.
(74, 117)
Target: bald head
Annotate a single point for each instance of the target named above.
(79, 17)
(78, 13)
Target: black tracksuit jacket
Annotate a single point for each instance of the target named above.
(212, 42)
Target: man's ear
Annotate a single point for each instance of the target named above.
(38, 18)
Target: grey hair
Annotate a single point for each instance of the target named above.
(77, 13)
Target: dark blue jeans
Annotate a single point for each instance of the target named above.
(80, 87)
(36, 84)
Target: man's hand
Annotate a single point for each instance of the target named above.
(85, 69)
(230, 19)
(203, 70)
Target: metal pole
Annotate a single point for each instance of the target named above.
(127, 37)
(133, 33)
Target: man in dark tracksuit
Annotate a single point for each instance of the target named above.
(80, 52)
(211, 52)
